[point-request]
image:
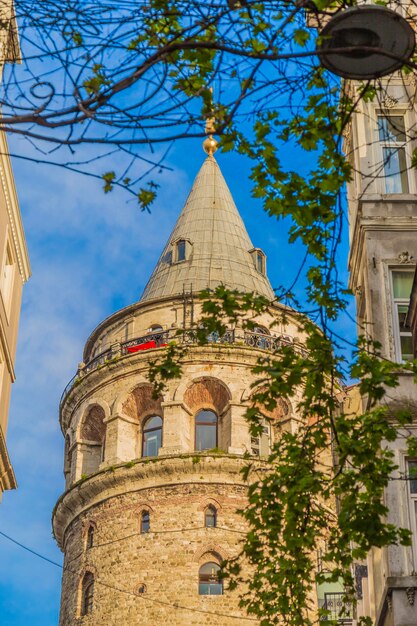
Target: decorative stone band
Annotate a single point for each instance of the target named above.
(145, 474)
(151, 341)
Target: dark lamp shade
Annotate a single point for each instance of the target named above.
(361, 29)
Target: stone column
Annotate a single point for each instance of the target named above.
(178, 435)
(239, 434)
(122, 440)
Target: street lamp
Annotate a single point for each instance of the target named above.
(366, 41)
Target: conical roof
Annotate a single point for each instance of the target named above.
(217, 247)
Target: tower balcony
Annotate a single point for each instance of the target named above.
(160, 339)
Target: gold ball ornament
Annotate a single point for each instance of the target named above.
(210, 145)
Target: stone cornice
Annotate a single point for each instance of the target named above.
(144, 474)
(393, 583)
(13, 211)
(369, 224)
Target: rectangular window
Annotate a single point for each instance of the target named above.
(260, 445)
(412, 483)
(181, 251)
(6, 277)
(402, 282)
(392, 138)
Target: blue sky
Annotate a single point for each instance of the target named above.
(91, 254)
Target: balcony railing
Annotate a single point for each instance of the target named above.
(160, 339)
(338, 609)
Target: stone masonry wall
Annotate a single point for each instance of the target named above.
(166, 560)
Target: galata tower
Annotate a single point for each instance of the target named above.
(153, 486)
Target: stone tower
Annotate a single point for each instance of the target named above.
(153, 485)
(382, 205)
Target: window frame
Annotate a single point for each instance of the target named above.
(210, 508)
(151, 430)
(259, 260)
(181, 250)
(412, 507)
(90, 537)
(396, 302)
(397, 146)
(7, 277)
(256, 442)
(145, 526)
(209, 424)
(87, 594)
(218, 583)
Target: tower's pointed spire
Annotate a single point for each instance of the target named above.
(209, 245)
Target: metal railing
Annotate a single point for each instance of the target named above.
(338, 609)
(260, 341)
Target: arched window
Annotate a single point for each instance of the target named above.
(152, 436)
(155, 328)
(87, 594)
(209, 583)
(93, 431)
(210, 517)
(90, 537)
(145, 522)
(205, 430)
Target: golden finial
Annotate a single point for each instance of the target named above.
(210, 145)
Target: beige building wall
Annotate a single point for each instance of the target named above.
(382, 204)
(14, 264)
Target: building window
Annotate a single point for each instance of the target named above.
(412, 482)
(402, 282)
(261, 444)
(209, 583)
(205, 430)
(180, 251)
(67, 458)
(210, 517)
(145, 522)
(87, 594)
(90, 537)
(392, 139)
(6, 277)
(152, 436)
(259, 260)
(155, 328)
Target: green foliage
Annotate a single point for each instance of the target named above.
(98, 80)
(325, 482)
(147, 196)
(108, 178)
